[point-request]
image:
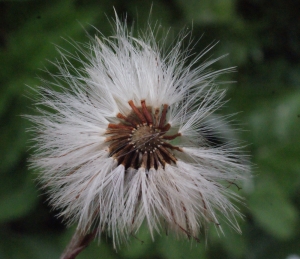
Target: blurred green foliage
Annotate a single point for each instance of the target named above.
(263, 40)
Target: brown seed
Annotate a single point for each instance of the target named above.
(139, 139)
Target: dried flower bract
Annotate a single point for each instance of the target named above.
(128, 138)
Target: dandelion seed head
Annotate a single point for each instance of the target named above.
(126, 142)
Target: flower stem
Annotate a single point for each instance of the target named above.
(78, 242)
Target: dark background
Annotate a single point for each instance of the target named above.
(263, 41)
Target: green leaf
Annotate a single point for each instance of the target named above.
(17, 203)
(172, 248)
(275, 128)
(27, 246)
(272, 210)
(206, 12)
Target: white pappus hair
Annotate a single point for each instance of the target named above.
(128, 138)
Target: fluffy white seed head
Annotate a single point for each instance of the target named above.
(129, 139)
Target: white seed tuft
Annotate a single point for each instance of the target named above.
(187, 183)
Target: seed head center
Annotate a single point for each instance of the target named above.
(146, 138)
(140, 140)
